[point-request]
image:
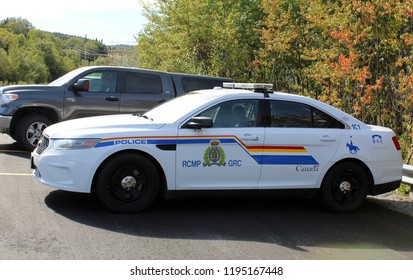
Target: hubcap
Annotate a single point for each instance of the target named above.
(34, 132)
(128, 182)
(345, 186)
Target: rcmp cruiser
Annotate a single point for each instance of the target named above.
(222, 140)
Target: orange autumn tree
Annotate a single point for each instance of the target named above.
(354, 54)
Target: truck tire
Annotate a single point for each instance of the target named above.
(30, 129)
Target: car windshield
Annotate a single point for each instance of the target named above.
(67, 78)
(176, 108)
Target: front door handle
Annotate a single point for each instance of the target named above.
(112, 98)
(249, 137)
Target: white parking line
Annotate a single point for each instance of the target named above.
(16, 174)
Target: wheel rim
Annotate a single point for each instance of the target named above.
(128, 183)
(346, 187)
(34, 132)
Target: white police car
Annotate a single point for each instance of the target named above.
(222, 140)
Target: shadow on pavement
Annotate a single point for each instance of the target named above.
(14, 150)
(291, 222)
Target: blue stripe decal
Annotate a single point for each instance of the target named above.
(285, 159)
(105, 144)
(162, 141)
(190, 141)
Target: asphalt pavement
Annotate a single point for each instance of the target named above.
(38, 222)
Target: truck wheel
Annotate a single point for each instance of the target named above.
(345, 187)
(30, 129)
(128, 183)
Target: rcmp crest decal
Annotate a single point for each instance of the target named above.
(214, 154)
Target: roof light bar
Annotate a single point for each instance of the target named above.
(249, 86)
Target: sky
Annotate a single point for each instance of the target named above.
(113, 21)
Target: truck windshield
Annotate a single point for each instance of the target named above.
(67, 77)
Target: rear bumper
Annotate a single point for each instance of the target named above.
(384, 188)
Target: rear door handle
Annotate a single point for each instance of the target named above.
(328, 138)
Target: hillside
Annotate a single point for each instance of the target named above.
(29, 55)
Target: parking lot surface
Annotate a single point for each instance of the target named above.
(38, 222)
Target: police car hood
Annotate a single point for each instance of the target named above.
(97, 127)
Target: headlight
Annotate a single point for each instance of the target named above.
(5, 99)
(75, 144)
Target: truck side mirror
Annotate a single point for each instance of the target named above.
(81, 85)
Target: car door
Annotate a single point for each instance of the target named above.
(299, 142)
(101, 98)
(224, 156)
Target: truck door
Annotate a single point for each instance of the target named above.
(102, 97)
(143, 91)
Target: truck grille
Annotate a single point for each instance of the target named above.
(43, 144)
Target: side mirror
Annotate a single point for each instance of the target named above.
(199, 122)
(81, 85)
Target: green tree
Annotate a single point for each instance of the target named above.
(28, 65)
(17, 25)
(201, 36)
(52, 51)
(5, 68)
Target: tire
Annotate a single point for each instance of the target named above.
(345, 188)
(30, 129)
(128, 183)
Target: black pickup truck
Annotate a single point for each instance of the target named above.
(25, 111)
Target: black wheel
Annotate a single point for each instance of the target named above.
(128, 183)
(30, 129)
(345, 187)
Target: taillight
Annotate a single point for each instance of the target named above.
(396, 142)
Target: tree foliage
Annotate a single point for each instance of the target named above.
(214, 37)
(29, 55)
(354, 54)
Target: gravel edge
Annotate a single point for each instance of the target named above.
(397, 202)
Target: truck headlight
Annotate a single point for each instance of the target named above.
(6, 98)
(75, 144)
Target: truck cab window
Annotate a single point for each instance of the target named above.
(143, 83)
(102, 81)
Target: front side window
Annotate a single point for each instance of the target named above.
(236, 113)
(293, 114)
(143, 83)
(102, 81)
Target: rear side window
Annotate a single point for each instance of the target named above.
(293, 114)
(143, 83)
(193, 83)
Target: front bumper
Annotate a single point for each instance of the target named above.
(5, 124)
(66, 170)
